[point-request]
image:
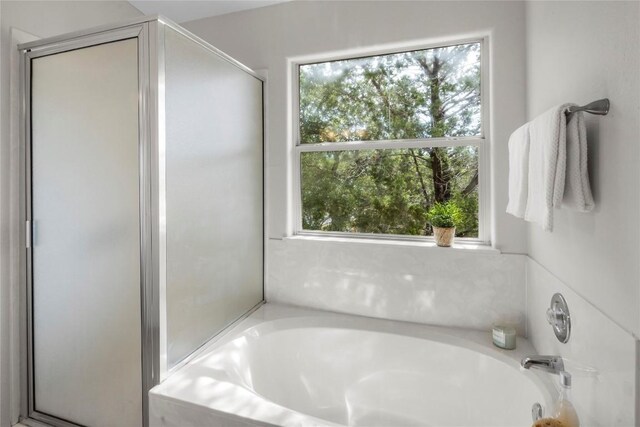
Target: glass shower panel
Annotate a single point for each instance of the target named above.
(214, 190)
(86, 233)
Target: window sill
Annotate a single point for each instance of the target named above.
(470, 247)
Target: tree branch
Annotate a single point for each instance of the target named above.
(471, 186)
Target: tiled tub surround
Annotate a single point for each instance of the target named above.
(300, 367)
(469, 288)
(600, 355)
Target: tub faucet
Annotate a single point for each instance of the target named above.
(552, 364)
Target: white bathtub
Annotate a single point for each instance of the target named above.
(298, 367)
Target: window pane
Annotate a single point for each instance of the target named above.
(388, 191)
(429, 93)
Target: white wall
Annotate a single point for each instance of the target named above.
(580, 52)
(266, 37)
(42, 19)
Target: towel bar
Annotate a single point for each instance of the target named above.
(599, 107)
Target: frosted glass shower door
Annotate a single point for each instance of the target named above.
(85, 259)
(214, 190)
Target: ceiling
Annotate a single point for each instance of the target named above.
(188, 10)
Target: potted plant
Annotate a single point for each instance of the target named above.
(443, 218)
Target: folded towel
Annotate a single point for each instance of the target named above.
(518, 171)
(577, 191)
(547, 165)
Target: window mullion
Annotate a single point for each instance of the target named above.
(390, 144)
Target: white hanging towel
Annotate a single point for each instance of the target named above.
(577, 191)
(518, 171)
(547, 165)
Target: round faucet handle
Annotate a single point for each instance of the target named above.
(555, 316)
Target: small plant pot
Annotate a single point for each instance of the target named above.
(444, 236)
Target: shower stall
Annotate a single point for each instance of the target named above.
(144, 214)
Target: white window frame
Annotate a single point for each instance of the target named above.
(482, 142)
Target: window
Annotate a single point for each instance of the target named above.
(383, 138)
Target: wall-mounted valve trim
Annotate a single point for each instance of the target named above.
(559, 318)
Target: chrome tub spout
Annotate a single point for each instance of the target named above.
(552, 364)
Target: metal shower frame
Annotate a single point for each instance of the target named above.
(149, 32)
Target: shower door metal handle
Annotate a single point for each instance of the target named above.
(28, 234)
